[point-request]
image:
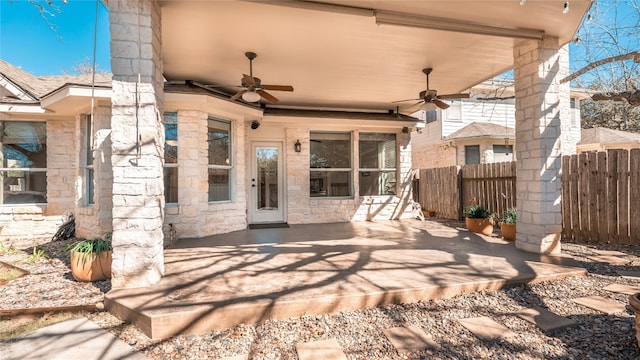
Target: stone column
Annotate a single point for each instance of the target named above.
(137, 143)
(543, 126)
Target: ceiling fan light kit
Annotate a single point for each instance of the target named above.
(252, 88)
(250, 96)
(429, 98)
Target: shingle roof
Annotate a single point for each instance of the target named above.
(482, 129)
(600, 135)
(39, 86)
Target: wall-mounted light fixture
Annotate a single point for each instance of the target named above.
(405, 130)
(297, 146)
(255, 124)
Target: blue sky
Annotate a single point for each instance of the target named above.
(27, 41)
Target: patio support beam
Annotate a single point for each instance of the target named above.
(543, 135)
(137, 135)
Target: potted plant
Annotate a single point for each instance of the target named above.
(508, 224)
(479, 219)
(91, 258)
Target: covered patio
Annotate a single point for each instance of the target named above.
(250, 276)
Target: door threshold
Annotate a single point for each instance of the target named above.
(268, 226)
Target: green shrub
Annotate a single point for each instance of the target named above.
(96, 245)
(38, 253)
(477, 212)
(510, 216)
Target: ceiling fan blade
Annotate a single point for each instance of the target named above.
(270, 98)
(399, 101)
(277, 87)
(441, 104)
(453, 96)
(222, 86)
(413, 108)
(237, 95)
(250, 80)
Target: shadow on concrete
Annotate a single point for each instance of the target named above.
(250, 276)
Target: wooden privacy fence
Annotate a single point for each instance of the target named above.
(438, 191)
(448, 190)
(493, 185)
(601, 196)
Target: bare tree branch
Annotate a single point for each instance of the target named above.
(630, 97)
(634, 55)
(47, 10)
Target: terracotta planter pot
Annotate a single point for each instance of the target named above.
(508, 231)
(634, 303)
(429, 213)
(91, 267)
(479, 226)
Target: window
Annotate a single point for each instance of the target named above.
(171, 158)
(24, 162)
(431, 116)
(575, 109)
(472, 154)
(330, 159)
(502, 153)
(377, 164)
(88, 162)
(454, 112)
(219, 140)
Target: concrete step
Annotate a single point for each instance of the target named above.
(629, 274)
(623, 289)
(544, 319)
(601, 304)
(486, 328)
(237, 357)
(609, 259)
(610, 252)
(409, 338)
(328, 349)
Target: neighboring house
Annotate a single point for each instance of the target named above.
(57, 159)
(599, 139)
(44, 127)
(480, 129)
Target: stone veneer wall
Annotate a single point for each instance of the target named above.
(27, 225)
(38, 223)
(61, 166)
(193, 215)
(306, 210)
(96, 219)
(137, 138)
(433, 156)
(543, 135)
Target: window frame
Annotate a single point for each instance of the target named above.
(381, 168)
(229, 167)
(4, 169)
(348, 171)
(88, 163)
(171, 165)
(466, 156)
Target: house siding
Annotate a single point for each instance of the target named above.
(433, 149)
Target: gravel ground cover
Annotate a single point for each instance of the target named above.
(360, 333)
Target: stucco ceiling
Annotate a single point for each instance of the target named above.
(339, 57)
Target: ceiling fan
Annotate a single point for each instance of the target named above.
(253, 89)
(429, 98)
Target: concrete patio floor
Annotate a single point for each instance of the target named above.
(250, 276)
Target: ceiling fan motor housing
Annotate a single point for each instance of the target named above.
(251, 86)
